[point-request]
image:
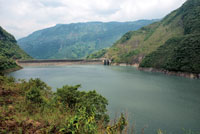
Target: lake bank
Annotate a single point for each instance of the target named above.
(166, 72)
(12, 69)
(181, 74)
(99, 62)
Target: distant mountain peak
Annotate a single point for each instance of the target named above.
(77, 39)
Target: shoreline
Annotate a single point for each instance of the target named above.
(136, 65)
(12, 69)
(166, 72)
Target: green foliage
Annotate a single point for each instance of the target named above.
(169, 18)
(180, 53)
(127, 57)
(37, 95)
(118, 127)
(9, 51)
(177, 54)
(190, 16)
(5, 36)
(6, 80)
(6, 63)
(94, 102)
(124, 57)
(31, 107)
(81, 123)
(68, 95)
(159, 131)
(71, 97)
(186, 55)
(150, 30)
(77, 40)
(144, 41)
(97, 54)
(39, 84)
(34, 96)
(158, 58)
(171, 44)
(125, 37)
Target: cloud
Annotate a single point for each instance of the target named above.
(22, 17)
(51, 3)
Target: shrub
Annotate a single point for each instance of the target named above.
(34, 96)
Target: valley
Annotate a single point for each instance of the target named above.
(100, 77)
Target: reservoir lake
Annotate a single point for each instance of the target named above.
(151, 100)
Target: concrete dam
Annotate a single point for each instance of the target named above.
(41, 62)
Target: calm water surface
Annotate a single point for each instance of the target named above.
(152, 100)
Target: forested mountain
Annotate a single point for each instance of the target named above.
(9, 51)
(76, 40)
(172, 44)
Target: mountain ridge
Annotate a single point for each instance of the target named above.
(76, 40)
(168, 44)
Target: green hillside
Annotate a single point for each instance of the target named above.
(177, 54)
(97, 54)
(76, 40)
(9, 51)
(172, 44)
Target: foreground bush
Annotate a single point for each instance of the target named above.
(31, 107)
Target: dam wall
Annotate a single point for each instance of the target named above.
(58, 62)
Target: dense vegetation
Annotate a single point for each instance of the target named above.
(172, 44)
(9, 51)
(31, 107)
(177, 54)
(180, 53)
(76, 40)
(97, 54)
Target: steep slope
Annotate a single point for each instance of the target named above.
(97, 54)
(172, 44)
(177, 54)
(76, 40)
(9, 51)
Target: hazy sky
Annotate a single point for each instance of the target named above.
(22, 17)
